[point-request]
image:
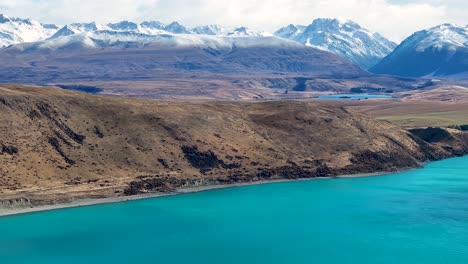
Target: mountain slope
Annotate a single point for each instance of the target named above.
(58, 145)
(16, 30)
(108, 55)
(347, 39)
(438, 51)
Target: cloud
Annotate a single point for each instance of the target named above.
(395, 19)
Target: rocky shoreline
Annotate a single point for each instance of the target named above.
(145, 187)
(25, 206)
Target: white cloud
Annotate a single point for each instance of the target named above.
(395, 19)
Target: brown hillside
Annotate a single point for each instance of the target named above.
(56, 145)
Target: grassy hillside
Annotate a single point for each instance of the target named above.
(440, 119)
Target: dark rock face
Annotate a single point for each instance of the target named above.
(433, 134)
(153, 184)
(11, 150)
(56, 145)
(451, 144)
(47, 111)
(204, 161)
(98, 132)
(295, 172)
(164, 163)
(368, 161)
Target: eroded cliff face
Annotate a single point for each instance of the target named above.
(58, 145)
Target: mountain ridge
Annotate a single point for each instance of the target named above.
(438, 51)
(345, 38)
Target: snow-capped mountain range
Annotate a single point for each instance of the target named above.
(441, 50)
(348, 39)
(438, 51)
(16, 30)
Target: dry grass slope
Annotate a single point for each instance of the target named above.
(56, 145)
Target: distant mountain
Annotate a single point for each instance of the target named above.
(152, 27)
(438, 51)
(125, 55)
(124, 26)
(243, 32)
(177, 28)
(155, 28)
(16, 30)
(347, 39)
(211, 30)
(77, 28)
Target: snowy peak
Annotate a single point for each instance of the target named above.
(327, 24)
(226, 31)
(449, 36)
(77, 28)
(345, 38)
(152, 28)
(87, 27)
(16, 30)
(153, 25)
(4, 19)
(439, 51)
(243, 32)
(210, 30)
(291, 31)
(124, 26)
(176, 28)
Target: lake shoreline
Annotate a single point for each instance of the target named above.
(5, 212)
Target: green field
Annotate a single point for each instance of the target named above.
(441, 119)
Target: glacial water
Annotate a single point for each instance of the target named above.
(419, 216)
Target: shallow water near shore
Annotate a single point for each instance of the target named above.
(419, 216)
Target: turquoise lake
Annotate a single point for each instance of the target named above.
(419, 216)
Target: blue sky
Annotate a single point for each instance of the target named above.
(395, 19)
